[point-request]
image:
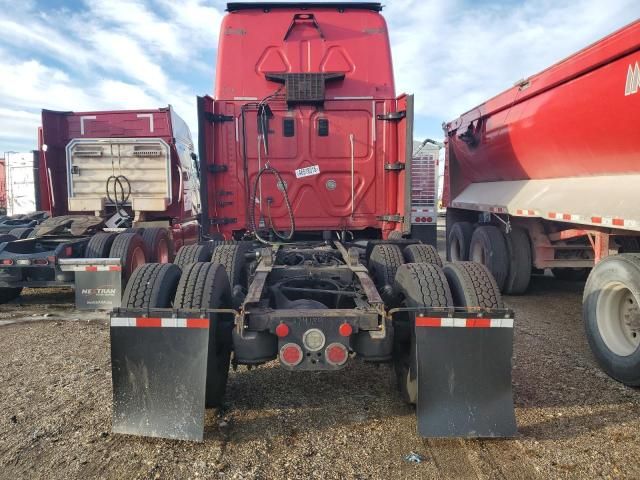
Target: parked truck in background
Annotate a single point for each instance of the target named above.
(19, 183)
(120, 184)
(546, 175)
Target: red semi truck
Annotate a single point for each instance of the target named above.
(306, 171)
(120, 184)
(546, 175)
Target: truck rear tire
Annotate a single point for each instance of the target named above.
(21, 233)
(159, 245)
(383, 264)
(231, 257)
(459, 241)
(189, 254)
(152, 285)
(489, 248)
(519, 248)
(8, 294)
(421, 253)
(129, 248)
(611, 314)
(206, 285)
(472, 285)
(99, 245)
(416, 285)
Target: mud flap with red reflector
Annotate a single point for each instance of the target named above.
(159, 370)
(464, 375)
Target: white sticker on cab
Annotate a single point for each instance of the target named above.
(307, 171)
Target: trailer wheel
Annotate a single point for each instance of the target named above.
(8, 294)
(21, 233)
(152, 285)
(571, 274)
(519, 249)
(472, 285)
(99, 245)
(159, 245)
(489, 248)
(416, 285)
(459, 241)
(129, 248)
(422, 253)
(189, 254)
(383, 264)
(611, 314)
(206, 285)
(232, 258)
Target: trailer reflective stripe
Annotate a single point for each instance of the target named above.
(147, 322)
(464, 322)
(94, 268)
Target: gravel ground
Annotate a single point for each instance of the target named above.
(574, 421)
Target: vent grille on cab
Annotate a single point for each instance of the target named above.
(304, 87)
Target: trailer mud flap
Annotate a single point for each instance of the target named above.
(464, 377)
(159, 370)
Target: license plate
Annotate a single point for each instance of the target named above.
(307, 171)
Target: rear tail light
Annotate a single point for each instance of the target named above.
(41, 261)
(313, 339)
(7, 261)
(282, 330)
(291, 354)
(345, 330)
(336, 354)
(68, 251)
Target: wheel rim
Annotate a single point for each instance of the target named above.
(478, 254)
(455, 250)
(618, 319)
(137, 258)
(162, 254)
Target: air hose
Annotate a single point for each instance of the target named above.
(120, 194)
(252, 206)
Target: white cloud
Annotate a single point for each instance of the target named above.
(454, 55)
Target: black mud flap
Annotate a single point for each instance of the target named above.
(159, 370)
(464, 376)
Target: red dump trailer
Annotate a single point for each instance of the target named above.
(307, 173)
(119, 184)
(546, 175)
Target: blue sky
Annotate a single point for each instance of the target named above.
(111, 54)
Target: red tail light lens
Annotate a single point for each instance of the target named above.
(40, 261)
(282, 330)
(7, 261)
(336, 354)
(291, 354)
(68, 251)
(345, 330)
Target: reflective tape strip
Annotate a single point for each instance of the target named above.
(95, 268)
(149, 322)
(464, 322)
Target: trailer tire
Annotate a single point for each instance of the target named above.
(231, 257)
(21, 233)
(99, 246)
(383, 265)
(422, 253)
(8, 294)
(416, 285)
(571, 274)
(129, 248)
(611, 295)
(489, 247)
(519, 248)
(159, 245)
(189, 254)
(459, 241)
(152, 285)
(472, 285)
(395, 235)
(202, 286)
